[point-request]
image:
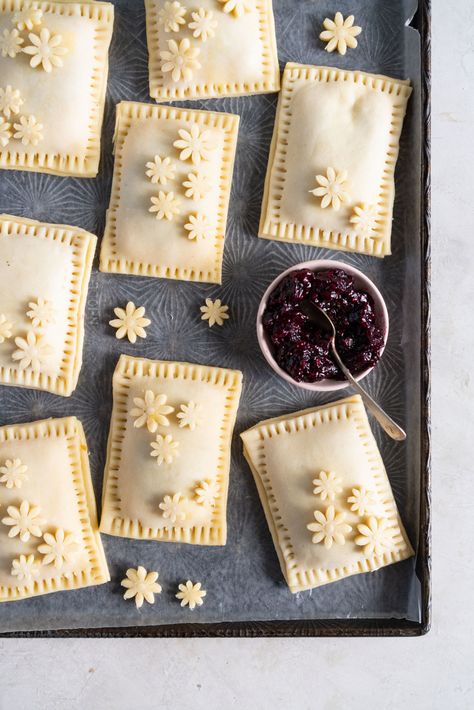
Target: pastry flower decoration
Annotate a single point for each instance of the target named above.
(362, 501)
(13, 473)
(27, 17)
(10, 101)
(5, 326)
(130, 322)
(171, 16)
(46, 50)
(189, 415)
(28, 131)
(199, 227)
(165, 205)
(173, 508)
(331, 188)
(340, 33)
(328, 485)
(329, 528)
(180, 59)
(32, 351)
(25, 568)
(160, 170)
(59, 548)
(141, 586)
(206, 493)
(41, 312)
(214, 312)
(376, 536)
(151, 411)
(191, 594)
(203, 24)
(364, 219)
(165, 449)
(195, 144)
(5, 132)
(197, 185)
(237, 7)
(24, 521)
(10, 43)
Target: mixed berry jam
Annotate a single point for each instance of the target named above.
(300, 347)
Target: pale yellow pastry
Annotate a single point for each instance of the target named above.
(330, 177)
(141, 585)
(212, 48)
(44, 276)
(167, 471)
(53, 78)
(326, 494)
(170, 192)
(49, 536)
(191, 595)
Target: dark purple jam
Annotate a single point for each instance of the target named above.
(300, 347)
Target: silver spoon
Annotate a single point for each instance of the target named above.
(320, 317)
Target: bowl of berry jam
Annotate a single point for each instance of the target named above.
(298, 348)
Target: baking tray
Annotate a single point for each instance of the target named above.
(246, 593)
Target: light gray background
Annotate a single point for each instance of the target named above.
(434, 672)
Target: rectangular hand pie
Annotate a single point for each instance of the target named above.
(53, 78)
(330, 176)
(167, 470)
(325, 493)
(49, 538)
(44, 276)
(213, 48)
(170, 192)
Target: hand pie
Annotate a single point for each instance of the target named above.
(325, 493)
(53, 78)
(167, 470)
(170, 192)
(330, 176)
(48, 522)
(213, 48)
(44, 275)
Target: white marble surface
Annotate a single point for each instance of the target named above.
(432, 673)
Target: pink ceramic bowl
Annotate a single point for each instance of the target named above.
(361, 281)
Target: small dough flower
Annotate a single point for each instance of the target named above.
(189, 415)
(13, 473)
(328, 485)
(151, 410)
(197, 186)
(194, 144)
(5, 328)
(376, 537)
(165, 205)
(28, 131)
(10, 101)
(27, 17)
(142, 585)
(58, 548)
(160, 170)
(25, 568)
(165, 449)
(198, 227)
(10, 43)
(173, 508)
(171, 16)
(32, 351)
(45, 49)
(41, 312)
(331, 188)
(363, 501)
(329, 528)
(364, 219)
(340, 33)
(130, 322)
(24, 521)
(5, 132)
(214, 312)
(191, 594)
(203, 24)
(237, 7)
(180, 59)
(207, 492)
